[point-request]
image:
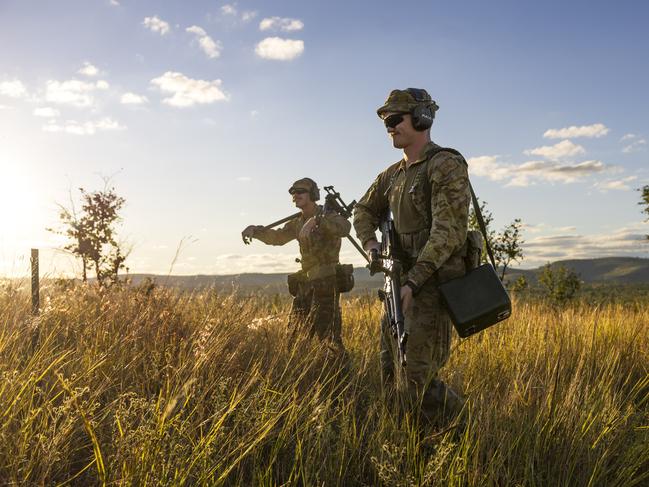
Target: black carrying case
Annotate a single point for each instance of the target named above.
(476, 300)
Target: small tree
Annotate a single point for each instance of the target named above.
(644, 191)
(74, 229)
(506, 245)
(559, 283)
(520, 285)
(93, 235)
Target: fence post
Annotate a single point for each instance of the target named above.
(35, 283)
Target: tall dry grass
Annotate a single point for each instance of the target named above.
(155, 387)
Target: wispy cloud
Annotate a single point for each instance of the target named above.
(228, 9)
(626, 241)
(616, 185)
(561, 150)
(85, 128)
(263, 262)
(89, 70)
(626, 137)
(525, 174)
(133, 99)
(207, 44)
(187, 92)
(596, 130)
(248, 15)
(637, 145)
(279, 23)
(155, 24)
(13, 89)
(279, 49)
(46, 112)
(545, 228)
(73, 92)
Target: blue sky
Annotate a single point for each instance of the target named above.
(204, 112)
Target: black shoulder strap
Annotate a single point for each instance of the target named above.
(476, 205)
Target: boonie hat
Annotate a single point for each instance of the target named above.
(402, 101)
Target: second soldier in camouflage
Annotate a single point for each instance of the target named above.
(316, 299)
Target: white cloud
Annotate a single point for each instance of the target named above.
(46, 112)
(616, 185)
(254, 114)
(114, 3)
(565, 148)
(278, 23)
(279, 49)
(527, 173)
(155, 24)
(133, 99)
(187, 92)
(626, 241)
(72, 92)
(86, 128)
(102, 85)
(13, 89)
(626, 137)
(596, 130)
(248, 15)
(229, 9)
(88, 69)
(268, 263)
(207, 44)
(635, 146)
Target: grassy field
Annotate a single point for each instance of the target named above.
(155, 387)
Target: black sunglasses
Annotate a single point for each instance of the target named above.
(393, 120)
(298, 191)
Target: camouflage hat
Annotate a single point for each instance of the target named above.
(307, 184)
(403, 101)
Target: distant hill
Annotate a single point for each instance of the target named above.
(621, 270)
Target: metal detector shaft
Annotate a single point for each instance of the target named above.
(358, 247)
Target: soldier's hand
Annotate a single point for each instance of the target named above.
(406, 298)
(307, 228)
(249, 232)
(372, 245)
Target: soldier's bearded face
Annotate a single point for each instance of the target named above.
(402, 135)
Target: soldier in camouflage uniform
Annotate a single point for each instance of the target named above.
(428, 193)
(316, 301)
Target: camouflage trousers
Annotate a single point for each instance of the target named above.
(316, 310)
(427, 350)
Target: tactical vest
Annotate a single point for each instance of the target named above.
(467, 257)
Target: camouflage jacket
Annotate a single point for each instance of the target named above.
(430, 205)
(321, 247)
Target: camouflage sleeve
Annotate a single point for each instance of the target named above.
(368, 210)
(450, 199)
(334, 225)
(279, 236)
